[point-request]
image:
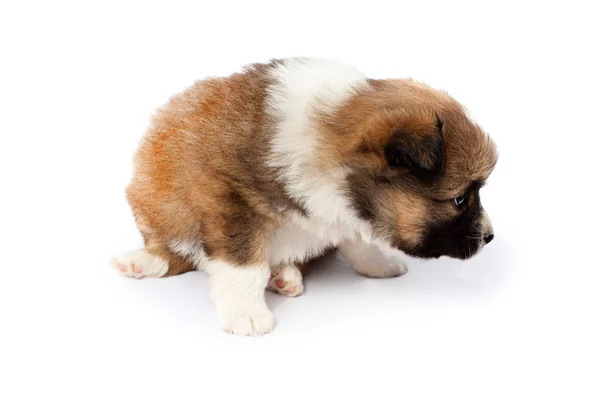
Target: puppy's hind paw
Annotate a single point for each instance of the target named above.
(140, 264)
(286, 280)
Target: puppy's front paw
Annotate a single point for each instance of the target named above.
(390, 268)
(251, 320)
(374, 260)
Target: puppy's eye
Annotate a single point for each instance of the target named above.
(459, 201)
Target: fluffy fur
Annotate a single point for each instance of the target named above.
(250, 176)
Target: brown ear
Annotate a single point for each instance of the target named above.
(422, 153)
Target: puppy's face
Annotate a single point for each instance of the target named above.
(417, 173)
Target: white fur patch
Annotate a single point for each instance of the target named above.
(140, 264)
(303, 87)
(374, 260)
(239, 295)
(306, 239)
(191, 250)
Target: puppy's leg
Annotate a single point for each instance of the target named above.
(373, 260)
(239, 295)
(286, 279)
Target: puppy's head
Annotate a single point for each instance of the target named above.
(418, 163)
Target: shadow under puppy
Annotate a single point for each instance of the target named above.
(248, 176)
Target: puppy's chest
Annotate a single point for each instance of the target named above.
(301, 242)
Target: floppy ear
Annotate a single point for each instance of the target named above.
(422, 153)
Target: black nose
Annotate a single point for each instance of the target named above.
(488, 238)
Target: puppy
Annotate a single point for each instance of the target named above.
(247, 177)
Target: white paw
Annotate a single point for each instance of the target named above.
(249, 320)
(373, 260)
(391, 268)
(286, 280)
(140, 264)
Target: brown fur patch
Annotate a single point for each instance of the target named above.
(201, 170)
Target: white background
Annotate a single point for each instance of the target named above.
(78, 84)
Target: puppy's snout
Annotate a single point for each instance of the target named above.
(488, 238)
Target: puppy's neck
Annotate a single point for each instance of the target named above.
(304, 94)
